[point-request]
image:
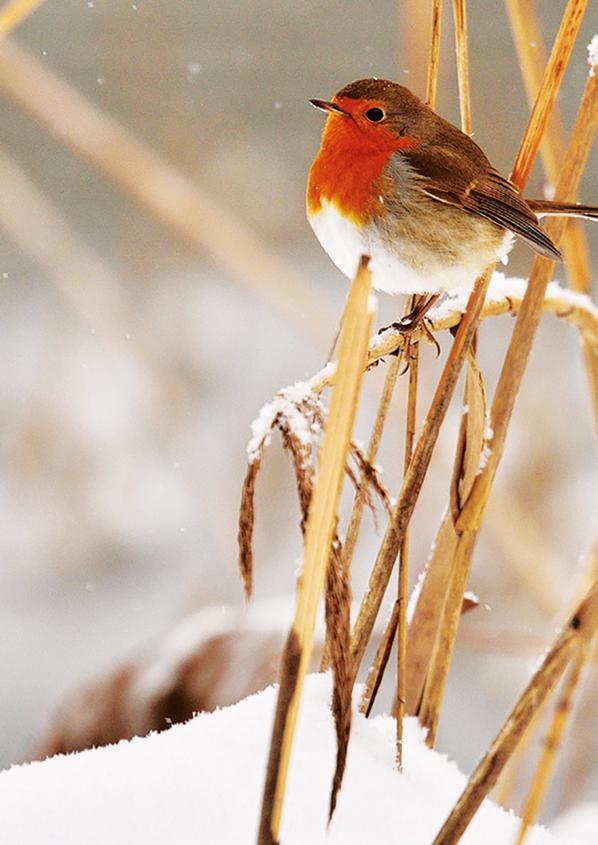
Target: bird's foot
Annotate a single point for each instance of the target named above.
(413, 328)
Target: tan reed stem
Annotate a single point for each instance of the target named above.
(380, 662)
(321, 523)
(14, 12)
(460, 16)
(375, 437)
(527, 35)
(578, 633)
(579, 314)
(551, 744)
(374, 676)
(160, 188)
(423, 451)
(402, 596)
(527, 32)
(467, 522)
(553, 74)
(360, 495)
(434, 54)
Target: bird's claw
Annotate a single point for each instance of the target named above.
(408, 326)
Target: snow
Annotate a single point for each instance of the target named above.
(593, 54)
(581, 822)
(201, 782)
(511, 287)
(486, 450)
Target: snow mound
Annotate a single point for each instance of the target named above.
(201, 782)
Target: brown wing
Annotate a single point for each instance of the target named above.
(471, 183)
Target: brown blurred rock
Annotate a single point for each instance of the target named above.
(211, 659)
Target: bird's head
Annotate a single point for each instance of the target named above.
(375, 113)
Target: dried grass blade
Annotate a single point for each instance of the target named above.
(318, 538)
(577, 634)
(560, 717)
(528, 38)
(553, 75)
(338, 630)
(246, 525)
(410, 423)
(375, 437)
(413, 481)
(460, 17)
(376, 673)
(528, 41)
(434, 54)
(512, 371)
(159, 187)
(515, 361)
(13, 13)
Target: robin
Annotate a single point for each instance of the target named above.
(395, 181)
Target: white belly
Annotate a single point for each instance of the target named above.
(345, 244)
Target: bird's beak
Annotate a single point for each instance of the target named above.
(330, 107)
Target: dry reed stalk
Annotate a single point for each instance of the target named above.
(582, 134)
(414, 477)
(460, 19)
(360, 496)
(551, 744)
(513, 366)
(376, 673)
(394, 536)
(423, 451)
(372, 452)
(15, 12)
(577, 634)
(160, 188)
(434, 54)
(551, 81)
(397, 622)
(526, 31)
(470, 444)
(321, 524)
(402, 582)
(506, 786)
(531, 54)
(410, 422)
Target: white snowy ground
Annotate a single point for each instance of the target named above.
(201, 783)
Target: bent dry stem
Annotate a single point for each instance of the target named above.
(319, 532)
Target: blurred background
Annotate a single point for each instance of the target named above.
(134, 351)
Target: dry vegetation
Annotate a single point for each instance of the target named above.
(321, 440)
(425, 649)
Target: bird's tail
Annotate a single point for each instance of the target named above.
(545, 208)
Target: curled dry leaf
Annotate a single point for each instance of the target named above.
(298, 413)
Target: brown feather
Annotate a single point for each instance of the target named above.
(474, 185)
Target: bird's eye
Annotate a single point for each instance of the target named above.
(375, 115)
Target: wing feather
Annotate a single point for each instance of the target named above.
(472, 184)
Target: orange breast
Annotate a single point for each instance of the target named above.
(344, 173)
(347, 168)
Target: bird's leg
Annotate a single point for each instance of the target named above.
(414, 320)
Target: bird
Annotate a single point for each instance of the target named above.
(395, 181)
